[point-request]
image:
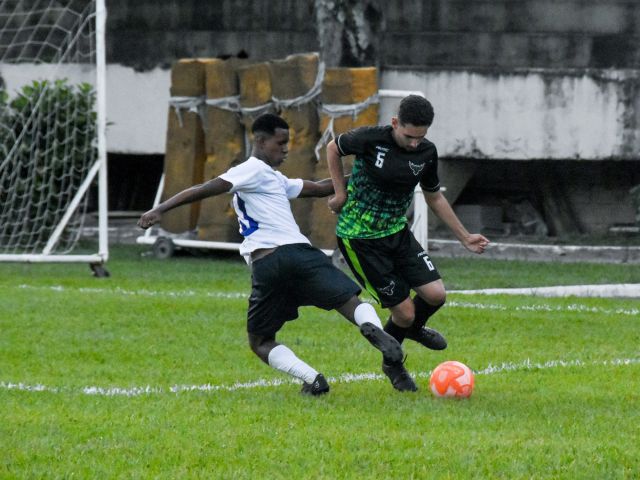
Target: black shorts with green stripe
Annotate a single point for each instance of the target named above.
(389, 267)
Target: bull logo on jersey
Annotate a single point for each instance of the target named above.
(388, 290)
(416, 169)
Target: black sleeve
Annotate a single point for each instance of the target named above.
(429, 180)
(353, 142)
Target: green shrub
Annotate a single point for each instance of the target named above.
(47, 144)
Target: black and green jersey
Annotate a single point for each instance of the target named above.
(382, 182)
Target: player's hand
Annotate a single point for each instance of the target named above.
(149, 218)
(336, 202)
(476, 243)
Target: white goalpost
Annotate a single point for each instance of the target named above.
(52, 129)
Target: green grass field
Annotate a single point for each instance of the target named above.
(147, 374)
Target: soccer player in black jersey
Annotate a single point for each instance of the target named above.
(373, 232)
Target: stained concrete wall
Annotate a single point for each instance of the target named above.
(530, 114)
(148, 33)
(512, 79)
(468, 33)
(513, 33)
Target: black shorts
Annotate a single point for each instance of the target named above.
(293, 276)
(389, 267)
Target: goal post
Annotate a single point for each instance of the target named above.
(52, 129)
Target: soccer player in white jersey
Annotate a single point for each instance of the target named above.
(286, 271)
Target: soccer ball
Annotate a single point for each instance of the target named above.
(451, 379)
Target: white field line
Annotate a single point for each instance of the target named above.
(491, 369)
(138, 293)
(243, 296)
(629, 290)
(578, 308)
(622, 290)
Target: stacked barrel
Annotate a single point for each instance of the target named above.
(185, 156)
(213, 105)
(341, 87)
(224, 144)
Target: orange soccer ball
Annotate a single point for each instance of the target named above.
(452, 379)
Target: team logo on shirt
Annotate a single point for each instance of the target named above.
(416, 169)
(388, 290)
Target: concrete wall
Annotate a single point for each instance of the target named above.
(513, 33)
(530, 114)
(146, 34)
(510, 79)
(470, 33)
(524, 115)
(513, 79)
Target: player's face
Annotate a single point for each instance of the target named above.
(408, 136)
(276, 148)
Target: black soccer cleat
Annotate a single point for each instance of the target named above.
(400, 378)
(389, 346)
(428, 337)
(319, 386)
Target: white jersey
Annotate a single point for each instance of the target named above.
(261, 201)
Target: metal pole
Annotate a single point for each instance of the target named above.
(101, 72)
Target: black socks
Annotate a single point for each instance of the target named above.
(423, 312)
(395, 331)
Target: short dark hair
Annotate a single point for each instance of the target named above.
(267, 123)
(415, 110)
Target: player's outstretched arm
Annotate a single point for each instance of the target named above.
(321, 188)
(336, 169)
(211, 188)
(473, 242)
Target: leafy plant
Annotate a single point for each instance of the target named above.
(47, 142)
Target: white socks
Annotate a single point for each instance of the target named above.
(366, 313)
(283, 359)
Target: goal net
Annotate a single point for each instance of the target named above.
(52, 129)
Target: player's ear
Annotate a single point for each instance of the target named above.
(394, 122)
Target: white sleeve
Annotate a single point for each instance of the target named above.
(293, 186)
(243, 177)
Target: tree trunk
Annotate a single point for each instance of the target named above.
(349, 32)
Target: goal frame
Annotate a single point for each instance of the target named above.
(98, 169)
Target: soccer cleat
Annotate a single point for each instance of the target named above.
(389, 346)
(319, 386)
(400, 378)
(428, 337)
